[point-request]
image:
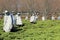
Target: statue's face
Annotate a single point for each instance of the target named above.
(7, 13)
(18, 14)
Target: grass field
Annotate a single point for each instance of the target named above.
(42, 30)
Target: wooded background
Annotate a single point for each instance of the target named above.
(46, 7)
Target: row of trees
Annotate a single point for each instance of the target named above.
(30, 5)
(44, 7)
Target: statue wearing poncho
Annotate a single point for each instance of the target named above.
(53, 18)
(33, 19)
(8, 22)
(18, 20)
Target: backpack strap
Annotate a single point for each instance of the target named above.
(12, 19)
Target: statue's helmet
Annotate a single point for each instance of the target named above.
(5, 11)
(18, 13)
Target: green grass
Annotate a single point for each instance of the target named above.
(42, 30)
